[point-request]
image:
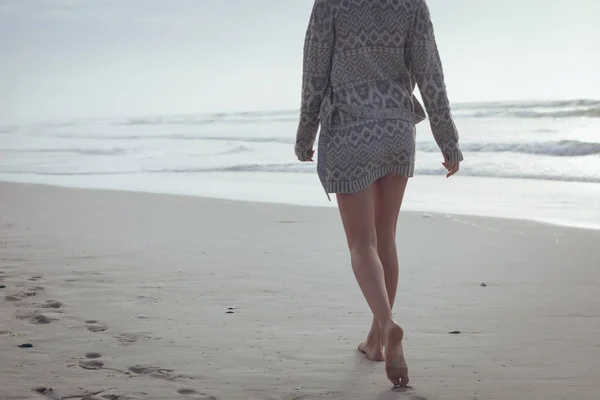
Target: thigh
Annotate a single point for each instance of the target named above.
(358, 217)
(389, 193)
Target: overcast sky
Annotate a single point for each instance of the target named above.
(85, 58)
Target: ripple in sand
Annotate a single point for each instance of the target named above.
(191, 393)
(155, 372)
(95, 326)
(127, 339)
(150, 299)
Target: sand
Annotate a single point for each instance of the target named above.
(141, 296)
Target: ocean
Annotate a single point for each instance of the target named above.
(527, 160)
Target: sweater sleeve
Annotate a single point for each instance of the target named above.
(318, 52)
(426, 69)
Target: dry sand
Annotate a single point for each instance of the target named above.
(83, 268)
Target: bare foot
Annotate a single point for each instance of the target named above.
(395, 365)
(373, 352)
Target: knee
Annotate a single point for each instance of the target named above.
(363, 248)
(386, 239)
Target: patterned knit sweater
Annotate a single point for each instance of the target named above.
(362, 61)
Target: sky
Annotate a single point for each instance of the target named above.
(104, 58)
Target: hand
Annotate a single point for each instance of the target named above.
(451, 167)
(309, 157)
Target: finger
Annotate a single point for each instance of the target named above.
(449, 168)
(452, 172)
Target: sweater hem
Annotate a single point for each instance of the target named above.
(354, 186)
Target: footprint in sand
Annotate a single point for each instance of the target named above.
(93, 362)
(25, 294)
(48, 393)
(192, 394)
(51, 304)
(93, 365)
(124, 397)
(150, 299)
(127, 339)
(40, 319)
(34, 317)
(95, 326)
(158, 373)
(52, 394)
(296, 397)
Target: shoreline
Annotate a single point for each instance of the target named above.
(318, 202)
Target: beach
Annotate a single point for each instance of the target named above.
(128, 295)
(536, 161)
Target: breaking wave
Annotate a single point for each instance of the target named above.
(563, 148)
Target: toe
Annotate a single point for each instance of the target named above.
(404, 381)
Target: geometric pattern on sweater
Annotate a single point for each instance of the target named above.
(362, 61)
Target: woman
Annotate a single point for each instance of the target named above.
(362, 60)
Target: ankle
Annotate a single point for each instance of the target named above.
(391, 326)
(385, 325)
(374, 338)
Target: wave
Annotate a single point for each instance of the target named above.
(513, 175)
(220, 118)
(251, 139)
(235, 150)
(223, 138)
(120, 137)
(530, 104)
(578, 108)
(86, 152)
(7, 129)
(69, 173)
(310, 168)
(543, 109)
(116, 151)
(289, 167)
(532, 114)
(563, 148)
(525, 110)
(504, 110)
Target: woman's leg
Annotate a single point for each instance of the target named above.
(389, 193)
(358, 216)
